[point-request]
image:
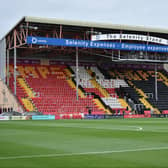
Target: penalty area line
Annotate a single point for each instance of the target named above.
(82, 153)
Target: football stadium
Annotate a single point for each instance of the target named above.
(83, 94)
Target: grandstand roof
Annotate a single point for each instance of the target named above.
(94, 24)
(89, 24)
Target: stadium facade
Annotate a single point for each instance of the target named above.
(106, 68)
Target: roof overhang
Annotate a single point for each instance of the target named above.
(95, 24)
(88, 24)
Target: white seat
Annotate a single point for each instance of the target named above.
(84, 77)
(112, 102)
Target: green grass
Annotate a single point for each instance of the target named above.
(84, 143)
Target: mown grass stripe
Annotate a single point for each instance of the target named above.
(82, 153)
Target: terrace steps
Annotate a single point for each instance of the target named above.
(102, 90)
(28, 104)
(124, 104)
(100, 106)
(26, 87)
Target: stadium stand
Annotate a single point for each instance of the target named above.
(148, 87)
(112, 78)
(141, 89)
(49, 90)
(103, 88)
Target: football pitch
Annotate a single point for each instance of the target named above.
(127, 143)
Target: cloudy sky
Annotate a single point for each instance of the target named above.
(131, 12)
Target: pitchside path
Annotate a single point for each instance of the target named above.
(84, 143)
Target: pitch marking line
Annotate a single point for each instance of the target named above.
(82, 153)
(125, 128)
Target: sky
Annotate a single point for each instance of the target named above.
(150, 13)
